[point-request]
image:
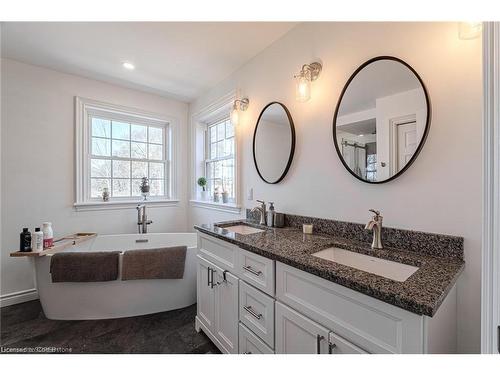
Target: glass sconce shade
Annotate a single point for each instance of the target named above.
(469, 30)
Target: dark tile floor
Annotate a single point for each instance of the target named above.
(24, 325)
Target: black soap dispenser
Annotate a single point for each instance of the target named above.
(25, 243)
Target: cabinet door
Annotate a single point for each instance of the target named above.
(339, 345)
(296, 334)
(205, 294)
(226, 309)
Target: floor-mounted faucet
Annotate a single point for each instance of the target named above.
(262, 209)
(375, 224)
(142, 219)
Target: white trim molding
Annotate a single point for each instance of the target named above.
(490, 288)
(120, 205)
(18, 297)
(83, 109)
(223, 207)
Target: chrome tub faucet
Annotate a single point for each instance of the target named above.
(262, 210)
(375, 224)
(142, 219)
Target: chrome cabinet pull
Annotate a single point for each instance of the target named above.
(252, 312)
(251, 270)
(318, 343)
(331, 346)
(212, 278)
(208, 276)
(247, 352)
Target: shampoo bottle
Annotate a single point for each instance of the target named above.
(37, 240)
(25, 240)
(48, 235)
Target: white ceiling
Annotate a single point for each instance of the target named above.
(174, 59)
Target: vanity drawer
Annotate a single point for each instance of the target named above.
(257, 312)
(250, 343)
(256, 270)
(221, 253)
(373, 325)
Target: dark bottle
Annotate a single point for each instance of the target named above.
(25, 240)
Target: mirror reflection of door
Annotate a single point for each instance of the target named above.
(406, 143)
(381, 119)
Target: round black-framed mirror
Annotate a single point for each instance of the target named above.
(273, 142)
(381, 120)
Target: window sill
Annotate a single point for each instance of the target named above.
(120, 205)
(224, 207)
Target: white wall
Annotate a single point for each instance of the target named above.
(38, 182)
(440, 193)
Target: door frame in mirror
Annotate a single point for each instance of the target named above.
(292, 146)
(427, 123)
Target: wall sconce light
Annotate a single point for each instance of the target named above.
(469, 30)
(238, 105)
(308, 73)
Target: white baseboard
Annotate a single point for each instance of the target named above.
(18, 297)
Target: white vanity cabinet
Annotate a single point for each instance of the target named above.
(217, 308)
(251, 304)
(363, 322)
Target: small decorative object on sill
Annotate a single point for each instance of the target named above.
(105, 194)
(202, 182)
(145, 187)
(216, 195)
(225, 197)
(307, 228)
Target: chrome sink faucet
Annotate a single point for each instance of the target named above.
(262, 209)
(142, 219)
(375, 224)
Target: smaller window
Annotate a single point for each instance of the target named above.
(220, 159)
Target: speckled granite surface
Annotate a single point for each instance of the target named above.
(422, 293)
(422, 242)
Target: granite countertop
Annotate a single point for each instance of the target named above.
(422, 293)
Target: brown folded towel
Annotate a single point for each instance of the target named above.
(84, 267)
(162, 263)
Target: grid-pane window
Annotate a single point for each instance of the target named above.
(122, 153)
(220, 161)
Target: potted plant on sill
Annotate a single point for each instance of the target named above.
(202, 182)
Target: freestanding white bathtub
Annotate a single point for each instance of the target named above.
(116, 299)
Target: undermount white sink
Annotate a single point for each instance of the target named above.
(243, 229)
(381, 267)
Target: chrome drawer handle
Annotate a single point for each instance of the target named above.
(247, 352)
(252, 312)
(251, 270)
(331, 346)
(318, 343)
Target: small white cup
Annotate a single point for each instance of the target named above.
(307, 228)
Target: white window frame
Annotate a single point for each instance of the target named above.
(87, 108)
(207, 153)
(200, 120)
